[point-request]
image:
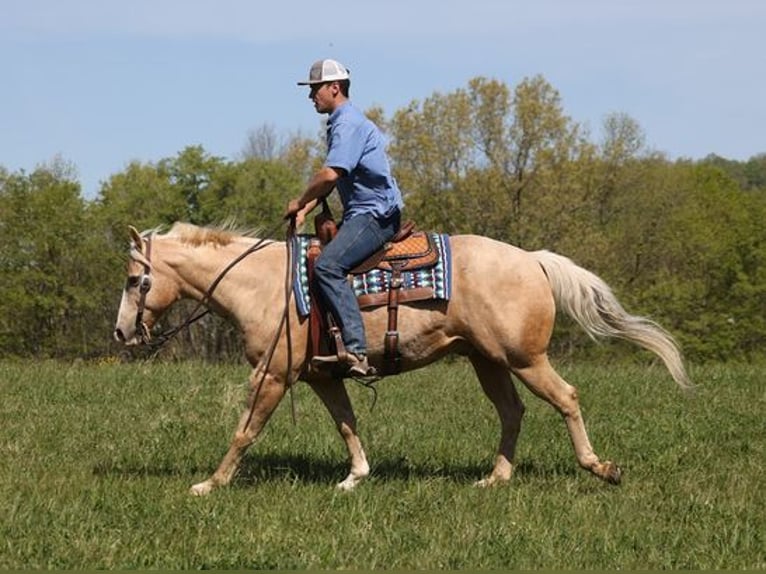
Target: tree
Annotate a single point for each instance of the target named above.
(682, 242)
(623, 140)
(755, 172)
(253, 193)
(680, 250)
(142, 195)
(192, 172)
(52, 261)
(749, 175)
(507, 141)
(431, 146)
(263, 142)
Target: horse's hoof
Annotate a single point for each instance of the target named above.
(345, 486)
(201, 489)
(491, 481)
(348, 484)
(610, 472)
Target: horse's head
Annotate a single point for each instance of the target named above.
(146, 295)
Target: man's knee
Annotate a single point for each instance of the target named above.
(326, 268)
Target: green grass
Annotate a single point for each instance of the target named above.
(96, 461)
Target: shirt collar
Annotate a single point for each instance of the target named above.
(338, 111)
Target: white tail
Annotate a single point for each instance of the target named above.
(590, 301)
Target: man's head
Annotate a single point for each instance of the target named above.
(330, 84)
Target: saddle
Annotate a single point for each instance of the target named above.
(408, 250)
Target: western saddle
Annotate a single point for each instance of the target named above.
(408, 250)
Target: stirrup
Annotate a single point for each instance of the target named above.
(319, 361)
(352, 364)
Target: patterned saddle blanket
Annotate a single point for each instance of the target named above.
(371, 284)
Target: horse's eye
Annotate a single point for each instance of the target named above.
(132, 282)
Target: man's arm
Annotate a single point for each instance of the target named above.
(319, 187)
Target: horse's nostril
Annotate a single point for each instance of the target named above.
(118, 336)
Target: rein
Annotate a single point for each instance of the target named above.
(195, 315)
(284, 323)
(145, 283)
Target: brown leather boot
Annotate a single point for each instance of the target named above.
(357, 365)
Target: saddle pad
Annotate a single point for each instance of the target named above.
(438, 277)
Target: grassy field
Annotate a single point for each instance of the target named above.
(96, 460)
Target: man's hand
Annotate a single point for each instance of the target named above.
(295, 210)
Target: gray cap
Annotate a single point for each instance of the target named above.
(326, 71)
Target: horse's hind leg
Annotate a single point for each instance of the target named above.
(542, 380)
(267, 396)
(499, 388)
(333, 394)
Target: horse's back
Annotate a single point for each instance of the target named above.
(482, 258)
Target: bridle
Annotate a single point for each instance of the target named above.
(145, 284)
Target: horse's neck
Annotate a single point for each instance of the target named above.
(200, 268)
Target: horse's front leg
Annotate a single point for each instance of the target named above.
(263, 399)
(333, 394)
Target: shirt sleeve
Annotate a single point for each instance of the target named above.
(345, 147)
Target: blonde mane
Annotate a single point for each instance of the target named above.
(195, 235)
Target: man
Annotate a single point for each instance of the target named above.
(358, 166)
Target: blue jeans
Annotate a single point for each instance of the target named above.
(357, 239)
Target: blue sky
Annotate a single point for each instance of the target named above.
(100, 83)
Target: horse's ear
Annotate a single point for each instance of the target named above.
(136, 237)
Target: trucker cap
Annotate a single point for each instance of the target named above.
(326, 71)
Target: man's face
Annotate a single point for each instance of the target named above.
(323, 96)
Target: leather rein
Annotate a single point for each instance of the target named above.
(145, 284)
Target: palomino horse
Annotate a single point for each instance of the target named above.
(500, 315)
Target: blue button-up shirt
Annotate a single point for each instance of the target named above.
(356, 145)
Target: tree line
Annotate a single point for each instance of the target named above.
(682, 241)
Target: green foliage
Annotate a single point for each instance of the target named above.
(701, 232)
(52, 266)
(678, 241)
(253, 192)
(749, 175)
(199, 188)
(142, 196)
(682, 242)
(483, 160)
(63, 257)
